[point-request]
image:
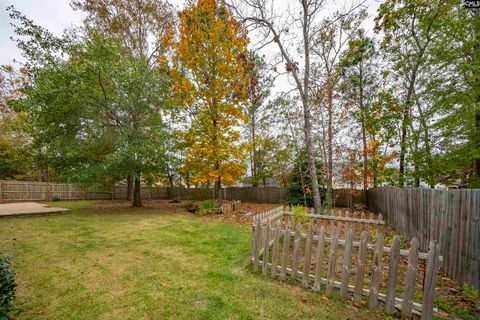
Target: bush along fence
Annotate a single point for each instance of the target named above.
(450, 216)
(324, 254)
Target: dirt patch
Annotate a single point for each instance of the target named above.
(28, 208)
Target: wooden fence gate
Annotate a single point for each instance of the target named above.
(325, 254)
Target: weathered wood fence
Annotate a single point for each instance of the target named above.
(21, 191)
(321, 259)
(450, 216)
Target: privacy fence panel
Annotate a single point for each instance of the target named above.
(450, 216)
(18, 191)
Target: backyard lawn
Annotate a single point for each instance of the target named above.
(101, 262)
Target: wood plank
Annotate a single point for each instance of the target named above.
(266, 248)
(308, 257)
(319, 256)
(286, 248)
(276, 247)
(430, 281)
(347, 256)
(377, 272)
(411, 277)
(392, 275)
(360, 273)
(256, 245)
(332, 261)
(296, 249)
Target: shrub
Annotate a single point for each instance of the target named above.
(300, 215)
(207, 207)
(7, 288)
(56, 198)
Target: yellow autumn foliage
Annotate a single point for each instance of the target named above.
(210, 80)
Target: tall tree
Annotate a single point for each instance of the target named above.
(332, 38)
(260, 15)
(454, 92)
(359, 86)
(98, 108)
(211, 56)
(409, 28)
(143, 27)
(258, 89)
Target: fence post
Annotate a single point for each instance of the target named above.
(1, 192)
(430, 280)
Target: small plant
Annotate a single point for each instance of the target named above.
(56, 198)
(470, 291)
(207, 207)
(300, 215)
(7, 288)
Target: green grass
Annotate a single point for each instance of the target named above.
(148, 264)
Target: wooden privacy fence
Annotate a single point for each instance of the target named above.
(321, 259)
(22, 191)
(450, 216)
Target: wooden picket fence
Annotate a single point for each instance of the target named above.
(324, 260)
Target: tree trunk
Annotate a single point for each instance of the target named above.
(129, 187)
(330, 147)
(254, 155)
(137, 199)
(365, 163)
(218, 188)
(364, 139)
(403, 149)
(477, 88)
(317, 202)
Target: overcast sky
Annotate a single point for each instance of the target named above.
(57, 15)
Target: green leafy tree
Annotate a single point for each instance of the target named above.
(410, 28)
(98, 112)
(299, 188)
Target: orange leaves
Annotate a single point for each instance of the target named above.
(211, 81)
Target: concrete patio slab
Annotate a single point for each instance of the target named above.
(28, 208)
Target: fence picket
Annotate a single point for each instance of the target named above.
(430, 280)
(308, 257)
(286, 247)
(360, 273)
(276, 245)
(346, 263)
(266, 248)
(296, 249)
(256, 245)
(319, 256)
(411, 277)
(332, 261)
(392, 275)
(377, 272)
